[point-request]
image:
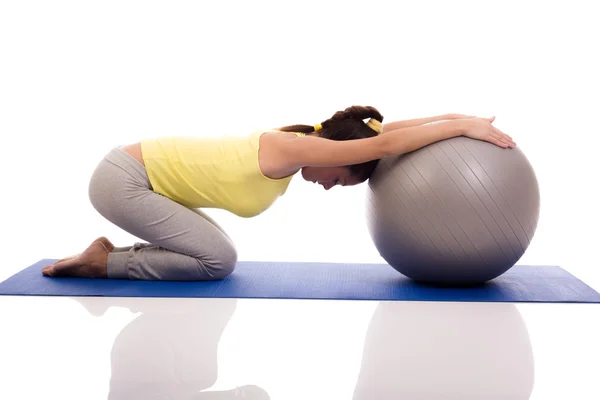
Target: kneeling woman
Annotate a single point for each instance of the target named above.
(155, 189)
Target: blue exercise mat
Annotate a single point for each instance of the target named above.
(288, 280)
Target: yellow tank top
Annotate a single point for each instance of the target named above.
(212, 173)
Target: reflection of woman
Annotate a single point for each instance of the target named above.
(446, 351)
(170, 350)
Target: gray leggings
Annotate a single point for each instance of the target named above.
(183, 244)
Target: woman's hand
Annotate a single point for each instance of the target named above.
(482, 129)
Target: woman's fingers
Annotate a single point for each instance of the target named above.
(502, 139)
(499, 142)
(503, 136)
(498, 131)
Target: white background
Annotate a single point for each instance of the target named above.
(78, 78)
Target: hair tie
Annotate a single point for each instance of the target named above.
(375, 125)
(318, 127)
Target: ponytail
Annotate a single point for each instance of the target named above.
(341, 120)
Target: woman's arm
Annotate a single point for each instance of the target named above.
(402, 141)
(392, 126)
(299, 152)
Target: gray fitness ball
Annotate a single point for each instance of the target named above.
(459, 211)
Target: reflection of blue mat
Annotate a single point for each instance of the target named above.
(285, 280)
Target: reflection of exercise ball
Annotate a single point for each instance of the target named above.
(446, 351)
(459, 211)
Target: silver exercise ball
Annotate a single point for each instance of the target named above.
(459, 211)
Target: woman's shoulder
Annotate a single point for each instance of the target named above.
(275, 136)
(271, 160)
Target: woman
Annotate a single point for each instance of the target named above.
(153, 189)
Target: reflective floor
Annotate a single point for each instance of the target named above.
(90, 76)
(135, 348)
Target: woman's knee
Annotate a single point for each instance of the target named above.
(222, 262)
(229, 260)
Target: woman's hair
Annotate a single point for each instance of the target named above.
(347, 125)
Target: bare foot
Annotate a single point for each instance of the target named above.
(89, 264)
(107, 244)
